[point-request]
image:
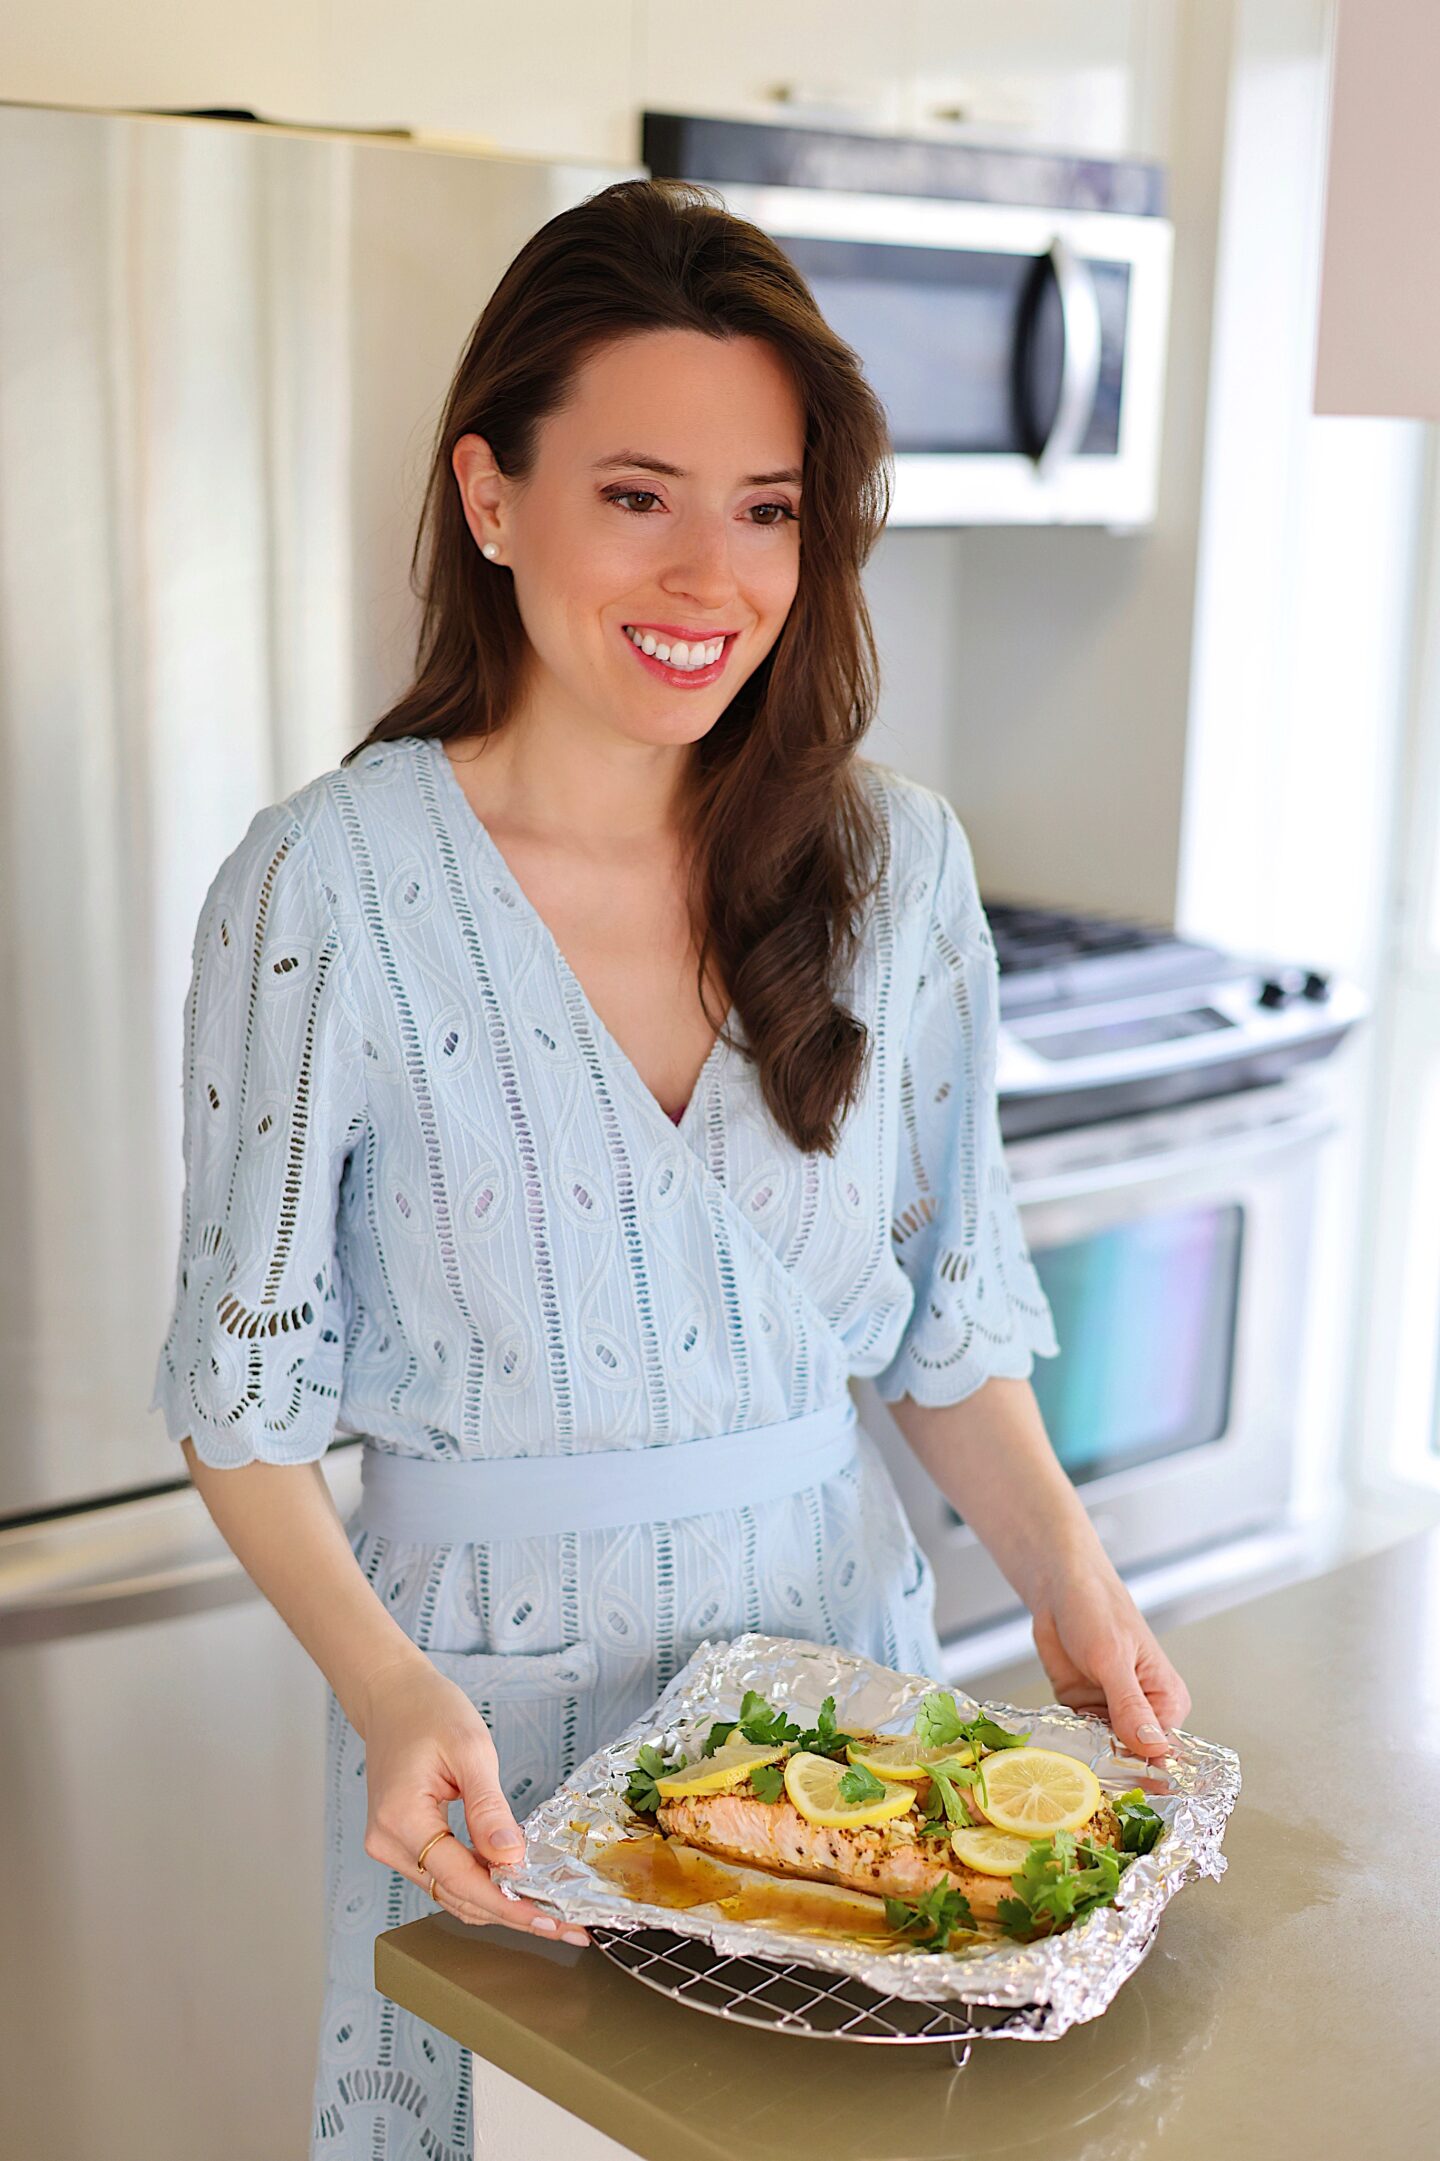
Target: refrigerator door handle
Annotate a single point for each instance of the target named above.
(50, 1594)
(129, 1562)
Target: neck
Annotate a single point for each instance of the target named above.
(572, 781)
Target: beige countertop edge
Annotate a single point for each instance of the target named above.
(430, 1967)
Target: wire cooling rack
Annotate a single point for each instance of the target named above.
(801, 1999)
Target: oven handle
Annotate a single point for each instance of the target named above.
(1260, 1144)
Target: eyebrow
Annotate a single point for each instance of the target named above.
(646, 463)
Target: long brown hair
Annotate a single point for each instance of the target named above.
(783, 841)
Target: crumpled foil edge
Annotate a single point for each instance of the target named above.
(1069, 1977)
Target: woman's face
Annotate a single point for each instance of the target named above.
(665, 499)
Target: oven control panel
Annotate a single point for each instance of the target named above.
(1102, 1018)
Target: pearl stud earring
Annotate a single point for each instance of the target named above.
(490, 550)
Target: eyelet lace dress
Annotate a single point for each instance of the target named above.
(430, 1202)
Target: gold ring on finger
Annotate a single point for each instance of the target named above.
(434, 1838)
(433, 1892)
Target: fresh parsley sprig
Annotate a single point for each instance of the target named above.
(767, 1781)
(650, 1764)
(768, 1728)
(938, 1724)
(825, 1738)
(1061, 1879)
(757, 1722)
(934, 1822)
(931, 1919)
(946, 1780)
(859, 1785)
(1140, 1827)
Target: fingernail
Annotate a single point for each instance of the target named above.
(1149, 1732)
(544, 1925)
(574, 1935)
(512, 1842)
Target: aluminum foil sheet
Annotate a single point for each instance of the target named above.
(1071, 1976)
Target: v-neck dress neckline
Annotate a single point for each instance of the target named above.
(522, 902)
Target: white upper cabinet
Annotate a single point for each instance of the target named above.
(549, 79)
(801, 62)
(568, 79)
(1090, 78)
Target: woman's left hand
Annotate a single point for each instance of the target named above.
(992, 1459)
(1100, 1655)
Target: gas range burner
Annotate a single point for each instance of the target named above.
(1028, 936)
(1103, 1016)
(1051, 957)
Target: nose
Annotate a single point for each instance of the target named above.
(701, 569)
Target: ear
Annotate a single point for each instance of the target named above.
(482, 489)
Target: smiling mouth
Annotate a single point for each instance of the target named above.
(680, 676)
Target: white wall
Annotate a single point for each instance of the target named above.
(1308, 556)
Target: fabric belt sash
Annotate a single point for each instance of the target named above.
(427, 1502)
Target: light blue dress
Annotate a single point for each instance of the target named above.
(429, 1200)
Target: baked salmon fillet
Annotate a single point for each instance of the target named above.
(889, 1860)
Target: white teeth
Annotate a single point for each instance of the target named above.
(679, 655)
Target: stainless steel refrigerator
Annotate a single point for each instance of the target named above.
(223, 351)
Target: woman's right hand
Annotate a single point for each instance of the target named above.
(425, 1746)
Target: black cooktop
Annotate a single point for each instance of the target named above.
(1050, 957)
(1036, 937)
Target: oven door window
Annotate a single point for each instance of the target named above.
(1145, 1313)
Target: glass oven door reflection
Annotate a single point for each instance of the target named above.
(1145, 1313)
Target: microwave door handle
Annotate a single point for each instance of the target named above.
(1080, 356)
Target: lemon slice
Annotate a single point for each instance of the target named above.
(990, 1852)
(1034, 1791)
(718, 1773)
(900, 1755)
(813, 1784)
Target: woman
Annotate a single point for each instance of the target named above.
(474, 1170)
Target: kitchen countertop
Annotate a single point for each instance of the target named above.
(1281, 2011)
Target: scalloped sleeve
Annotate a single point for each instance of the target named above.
(978, 1308)
(274, 1101)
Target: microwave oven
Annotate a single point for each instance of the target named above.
(1010, 308)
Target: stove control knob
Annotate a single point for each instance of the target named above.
(1316, 986)
(1272, 993)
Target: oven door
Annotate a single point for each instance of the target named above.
(1173, 1249)
(1019, 352)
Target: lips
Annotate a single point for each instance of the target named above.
(682, 678)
